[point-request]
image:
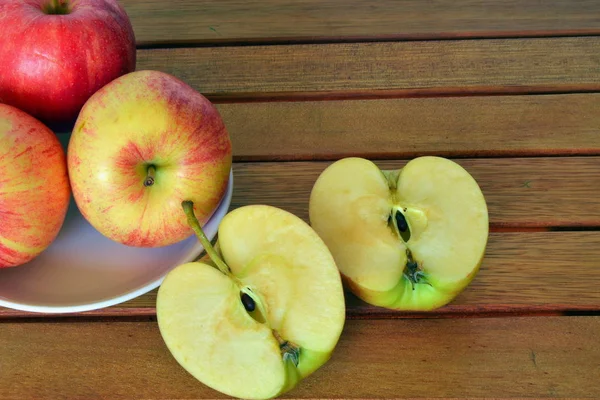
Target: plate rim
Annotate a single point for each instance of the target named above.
(220, 211)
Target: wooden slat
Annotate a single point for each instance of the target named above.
(504, 357)
(390, 68)
(522, 273)
(212, 21)
(520, 192)
(400, 128)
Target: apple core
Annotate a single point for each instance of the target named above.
(250, 301)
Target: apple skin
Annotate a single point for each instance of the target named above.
(51, 64)
(34, 187)
(140, 119)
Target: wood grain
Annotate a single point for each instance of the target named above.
(502, 357)
(212, 21)
(400, 128)
(395, 68)
(522, 273)
(520, 192)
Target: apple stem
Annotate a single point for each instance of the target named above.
(149, 181)
(57, 7)
(188, 208)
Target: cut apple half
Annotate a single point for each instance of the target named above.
(266, 311)
(408, 239)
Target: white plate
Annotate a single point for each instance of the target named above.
(82, 270)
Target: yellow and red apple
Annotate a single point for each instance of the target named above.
(34, 187)
(408, 239)
(56, 53)
(140, 146)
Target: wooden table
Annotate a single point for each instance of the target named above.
(509, 89)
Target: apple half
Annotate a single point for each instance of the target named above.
(409, 239)
(265, 313)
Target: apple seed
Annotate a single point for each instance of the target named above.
(248, 302)
(399, 224)
(253, 305)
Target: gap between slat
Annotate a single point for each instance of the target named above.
(377, 94)
(421, 37)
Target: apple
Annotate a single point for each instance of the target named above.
(408, 239)
(34, 187)
(56, 53)
(140, 146)
(265, 313)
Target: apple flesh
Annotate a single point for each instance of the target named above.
(264, 314)
(34, 187)
(56, 53)
(141, 145)
(409, 239)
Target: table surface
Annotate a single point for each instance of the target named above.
(510, 90)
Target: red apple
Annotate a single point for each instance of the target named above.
(56, 53)
(34, 187)
(141, 145)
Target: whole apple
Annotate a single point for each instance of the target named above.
(141, 145)
(34, 187)
(56, 53)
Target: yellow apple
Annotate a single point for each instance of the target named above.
(266, 313)
(141, 145)
(34, 187)
(409, 239)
